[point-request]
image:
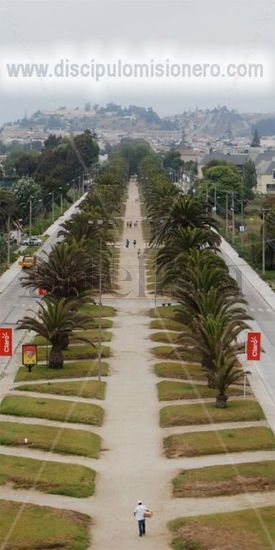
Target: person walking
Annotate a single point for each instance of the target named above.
(127, 242)
(134, 243)
(139, 512)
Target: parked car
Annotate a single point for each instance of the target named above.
(27, 262)
(31, 241)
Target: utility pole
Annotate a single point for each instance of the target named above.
(233, 218)
(8, 242)
(30, 219)
(155, 277)
(264, 210)
(226, 213)
(100, 311)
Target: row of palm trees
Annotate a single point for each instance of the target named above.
(210, 305)
(71, 271)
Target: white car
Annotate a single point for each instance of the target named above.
(31, 241)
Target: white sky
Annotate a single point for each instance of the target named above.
(38, 31)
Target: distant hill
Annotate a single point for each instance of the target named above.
(218, 123)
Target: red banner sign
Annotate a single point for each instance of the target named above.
(42, 292)
(253, 346)
(5, 342)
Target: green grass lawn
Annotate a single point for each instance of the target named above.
(165, 336)
(168, 312)
(219, 441)
(252, 529)
(92, 334)
(49, 477)
(171, 352)
(74, 352)
(29, 527)
(50, 438)
(70, 370)
(225, 480)
(206, 413)
(93, 310)
(165, 324)
(185, 371)
(170, 390)
(52, 409)
(93, 389)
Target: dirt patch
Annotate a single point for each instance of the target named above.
(202, 537)
(239, 484)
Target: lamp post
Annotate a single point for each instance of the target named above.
(52, 195)
(226, 213)
(233, 217)
(264, 210)
(8, 243)
(30, 219)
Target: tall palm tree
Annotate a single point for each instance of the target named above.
(56, 320)
(65, 272)
(227, 372)
(184, 212)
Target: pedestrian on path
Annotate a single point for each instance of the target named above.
(138, 252)
(127, 242)
(134, 243)
(139, 514)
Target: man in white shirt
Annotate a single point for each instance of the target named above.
(139, 515)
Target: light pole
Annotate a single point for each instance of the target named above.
(52, 195)
(233, 218)
(30, 219)
(8, 243)
(226, 213)
(61, 200)
(264, 210)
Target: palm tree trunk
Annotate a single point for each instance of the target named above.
(210, 372)
(221, 401)
(55, 358)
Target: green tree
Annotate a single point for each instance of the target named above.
(27, 189)
(56, 320)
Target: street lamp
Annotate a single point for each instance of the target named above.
(52, 195)
(61, 200)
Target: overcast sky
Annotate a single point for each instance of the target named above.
(238, 31)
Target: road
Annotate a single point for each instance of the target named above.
(15, 301)
(261, 306)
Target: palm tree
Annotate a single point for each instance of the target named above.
(227, 372)
(56, 320)
(184, 212)
(65, 272)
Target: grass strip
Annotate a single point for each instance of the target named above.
(252, 529)
(170, 390)
(50, 438)
(165, 324)
(52, 409)
(93, 334)
(31, 527)
(219, 441)
(225, 480)
(185, 371)
(92, 389)
(74, 352)
(206, 413)
(70, 370)
(48, 477)
(170, 352)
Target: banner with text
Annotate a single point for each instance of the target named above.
(253, 346)
(5, 342)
